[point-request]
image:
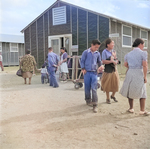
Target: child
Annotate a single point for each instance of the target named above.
(44, 74)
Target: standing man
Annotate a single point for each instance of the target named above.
(53, 61)
(89, 60)
(1, 63)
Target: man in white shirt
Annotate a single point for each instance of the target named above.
(1, 64)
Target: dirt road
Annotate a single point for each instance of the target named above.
(37, 116)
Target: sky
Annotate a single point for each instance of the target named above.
(17, 14)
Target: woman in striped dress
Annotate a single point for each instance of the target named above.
(134, 86)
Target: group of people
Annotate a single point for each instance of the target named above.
(49, 68)
(134, 86)
(54, 62)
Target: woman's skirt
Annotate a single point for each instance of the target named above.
(64, 67)
(27, 75)
(110, 82)
(134, 86)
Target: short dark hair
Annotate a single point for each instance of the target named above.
(108, 41)
(28, 51)
(96, 41)
(63, 48)
(137, 42)
(50, 49)
(43, 66)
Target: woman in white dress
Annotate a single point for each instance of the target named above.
(134, 86)
(63, 64)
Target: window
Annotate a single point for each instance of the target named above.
(0, 46)
(59, 15)
(144, 36)
(126, 36)
(13, 47)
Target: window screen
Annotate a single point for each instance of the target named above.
(59, 15)
(144, 34)
(127, 36)
(126, 30)
(145, 43)
(13, 47)
(127, 41)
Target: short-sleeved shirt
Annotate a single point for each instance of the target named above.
(106, 54)
(65, 55)
(53, 59)
(89, 60)
(43, 70)
(135, 58)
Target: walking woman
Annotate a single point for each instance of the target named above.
(27, 65)
(110, 77)
(134, 86)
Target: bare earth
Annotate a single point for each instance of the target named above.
(37, 116)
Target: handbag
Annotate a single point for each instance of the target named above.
(19, 73)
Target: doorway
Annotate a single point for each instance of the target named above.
(58, 41)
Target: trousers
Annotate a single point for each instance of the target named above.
(90, 87)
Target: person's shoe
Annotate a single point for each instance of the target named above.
(89, 104)
(108, 101)
(95, 109)
(55, 86)
(130, 110)
(144, 113)
(114, 98)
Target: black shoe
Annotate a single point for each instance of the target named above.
(114, 98)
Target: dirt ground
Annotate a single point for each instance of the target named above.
(37, 116)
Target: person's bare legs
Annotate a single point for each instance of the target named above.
(142, 104)
(113, 94)
(130, 103)
(25, 81)
(142, 107)
(107, 95)
(29, 81)
(107, 98)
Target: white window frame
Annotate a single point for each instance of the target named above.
(11, 49)
(1, 46)
(126, 36)
(144, 38)
(65, 19)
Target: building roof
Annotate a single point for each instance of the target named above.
(11, 38)
(112, 18)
